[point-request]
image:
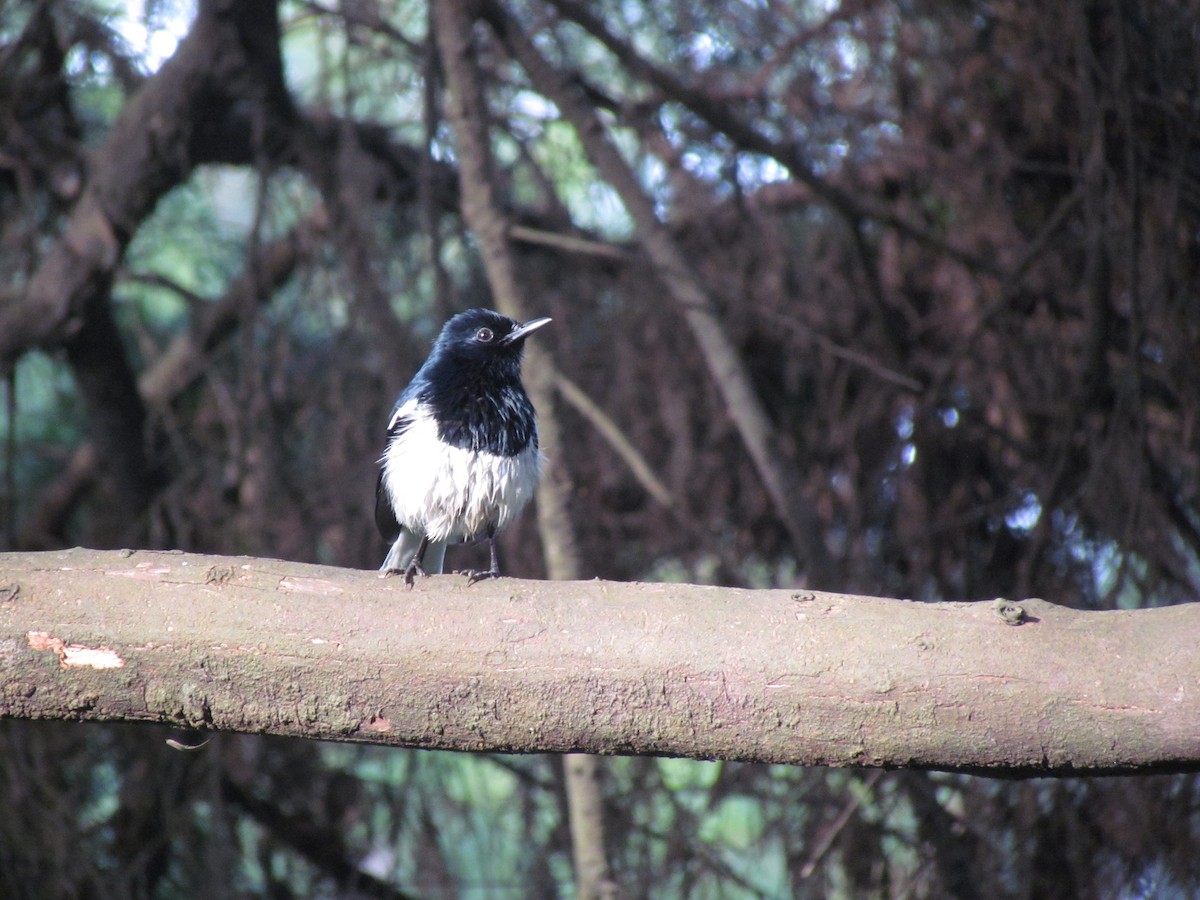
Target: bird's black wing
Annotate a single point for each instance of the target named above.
(385, 518)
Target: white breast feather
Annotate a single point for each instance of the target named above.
(452, 494)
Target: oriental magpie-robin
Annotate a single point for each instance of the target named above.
(462, 454)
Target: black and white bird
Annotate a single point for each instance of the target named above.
(462, 455)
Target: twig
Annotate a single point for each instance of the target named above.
(825, 841)
(569, 242)
(851, 356)
(608, 429)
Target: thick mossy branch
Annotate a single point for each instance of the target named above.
(257, 645)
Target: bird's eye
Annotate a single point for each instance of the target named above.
(484, 335)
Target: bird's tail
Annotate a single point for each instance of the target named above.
(403, 548)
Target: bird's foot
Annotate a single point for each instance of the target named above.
(414, 569)
(409, 573)
(474, 575)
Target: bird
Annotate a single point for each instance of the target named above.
(461, 458)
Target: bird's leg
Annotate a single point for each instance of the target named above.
(414, 566)
(474, 575)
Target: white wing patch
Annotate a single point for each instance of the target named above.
(449, 493)
(407, 409)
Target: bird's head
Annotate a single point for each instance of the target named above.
(483, 335)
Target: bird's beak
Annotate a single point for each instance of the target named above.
(523, 331)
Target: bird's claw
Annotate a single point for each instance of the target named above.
(409, 573)
(474, 575)
(413, 570)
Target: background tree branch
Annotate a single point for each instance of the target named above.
(695, 303)
(175, 121)
(807, 678)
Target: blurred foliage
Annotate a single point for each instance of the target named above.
(956, 247)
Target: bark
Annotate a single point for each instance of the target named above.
(585, 806)
(116, 414)
(263, 646)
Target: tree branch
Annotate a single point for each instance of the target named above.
(161, 133)
(321, 846)
(180, 363)
(151, 149)
(722, 117)
(771, 676)
(615, 438)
